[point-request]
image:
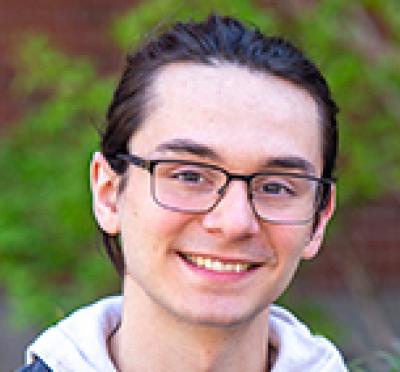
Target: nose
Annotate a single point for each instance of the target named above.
(233, 216)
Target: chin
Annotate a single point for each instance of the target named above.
(218, 317)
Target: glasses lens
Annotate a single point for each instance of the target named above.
(284, 198)
(186, 187)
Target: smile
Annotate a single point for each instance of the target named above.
(216, 265)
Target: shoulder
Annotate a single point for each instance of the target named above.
(297, 346)
(37, 366)
(78, 341)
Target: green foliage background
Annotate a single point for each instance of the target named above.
(49, 263)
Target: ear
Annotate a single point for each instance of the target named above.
(104, 184)
(313, 246)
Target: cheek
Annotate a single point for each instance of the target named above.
(164, 226)
(144, 224)
(289, 241)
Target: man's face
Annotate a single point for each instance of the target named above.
(245, 119)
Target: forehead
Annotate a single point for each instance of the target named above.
(231, 109)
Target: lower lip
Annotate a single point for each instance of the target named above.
(218, 275)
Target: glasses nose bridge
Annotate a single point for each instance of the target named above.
(235, 176)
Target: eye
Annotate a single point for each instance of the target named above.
(276, 188)
(188, 176)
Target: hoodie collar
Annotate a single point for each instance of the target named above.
(79, 342)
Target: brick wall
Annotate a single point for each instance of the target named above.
(78, 26)
(365, 251)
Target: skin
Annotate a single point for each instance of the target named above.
(199, 322)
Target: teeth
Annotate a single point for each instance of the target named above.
(215, 265)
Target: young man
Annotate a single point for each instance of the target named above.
(214, 180)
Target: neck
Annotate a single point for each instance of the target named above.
(152, 339)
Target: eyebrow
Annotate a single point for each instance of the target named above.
(190, 147)
(181, 145)
(291, 162)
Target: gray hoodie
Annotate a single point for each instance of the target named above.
(79, 342)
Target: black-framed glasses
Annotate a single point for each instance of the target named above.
(195, 187)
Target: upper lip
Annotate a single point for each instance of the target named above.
(226, 259)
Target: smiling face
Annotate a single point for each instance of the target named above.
(226, 266)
